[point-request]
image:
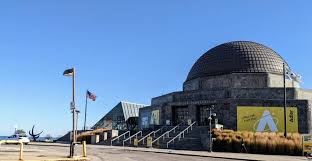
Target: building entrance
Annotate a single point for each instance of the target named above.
(180, 114)
(202, 115)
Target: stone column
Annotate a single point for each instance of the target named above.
(114, 133)
(166, 114)
(105, 136)
(309, 117)
(95, 139)
(232, 120)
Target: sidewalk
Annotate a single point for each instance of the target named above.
(237, 156)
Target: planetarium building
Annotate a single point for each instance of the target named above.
(244, 83)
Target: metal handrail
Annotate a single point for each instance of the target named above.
(135, 135)
(166, 133)
(124, 135)
(181, 133)
(21, 151)
(153, 132)
(157, 131)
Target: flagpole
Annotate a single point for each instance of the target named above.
(71, 72)
(86, 106)
(285, 122)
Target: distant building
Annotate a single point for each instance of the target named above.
(117, 117)
(244, 82)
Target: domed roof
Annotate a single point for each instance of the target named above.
(237, 57)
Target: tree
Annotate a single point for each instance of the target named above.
(20, 132)
(48, 137)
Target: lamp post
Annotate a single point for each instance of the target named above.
(71, 72)
(77, 114)
(285, 120)
(210, 128)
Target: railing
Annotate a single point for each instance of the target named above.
(153, 132)
(166, 133)
(124, 135)
(135, 135)
(21, 150)
(157, 131)
(181, 134)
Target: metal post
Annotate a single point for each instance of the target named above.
(85, 117)
(21, 151)
(77, 115)
(74, 117)
(210, 146)
(210, 129)
(84, 151)
(285, 120)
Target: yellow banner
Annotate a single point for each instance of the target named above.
(155, 117)
(270, 119)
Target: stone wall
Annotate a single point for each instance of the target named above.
(304, 94)
(163, 99)
(146, 112)
(232, 93)
(239, 80)
(276, 80)
(262, 93)
(227, 100)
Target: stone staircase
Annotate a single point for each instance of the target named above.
(116, 142)
(193, 140)
(119, 142)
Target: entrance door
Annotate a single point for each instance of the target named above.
(180, 114)
(202, 115)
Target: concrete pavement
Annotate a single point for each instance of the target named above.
(116, 153)
(235, 156)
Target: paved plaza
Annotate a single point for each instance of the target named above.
(41, 151)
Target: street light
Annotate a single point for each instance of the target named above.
(71, 72)
(210, 129)
(77, 114)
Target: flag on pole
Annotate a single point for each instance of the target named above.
(68, 72)
(91, 96)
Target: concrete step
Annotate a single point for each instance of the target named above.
(191, 140)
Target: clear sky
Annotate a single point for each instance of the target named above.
(127, 50)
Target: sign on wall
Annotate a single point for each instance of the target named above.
(155, 117)
(144, 122)
(266, 119)
(306, 143)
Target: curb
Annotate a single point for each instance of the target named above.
(184, 154)
(204, 156)
(64, 159)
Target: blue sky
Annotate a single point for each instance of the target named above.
(127, 50)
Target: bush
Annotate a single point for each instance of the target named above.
(236, 144)
(264, 143)
(271, 146)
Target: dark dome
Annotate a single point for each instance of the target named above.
(237, 57)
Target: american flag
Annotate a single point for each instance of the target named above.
(91, 96)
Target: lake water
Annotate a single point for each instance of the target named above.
(39, 139)
(3, 137)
